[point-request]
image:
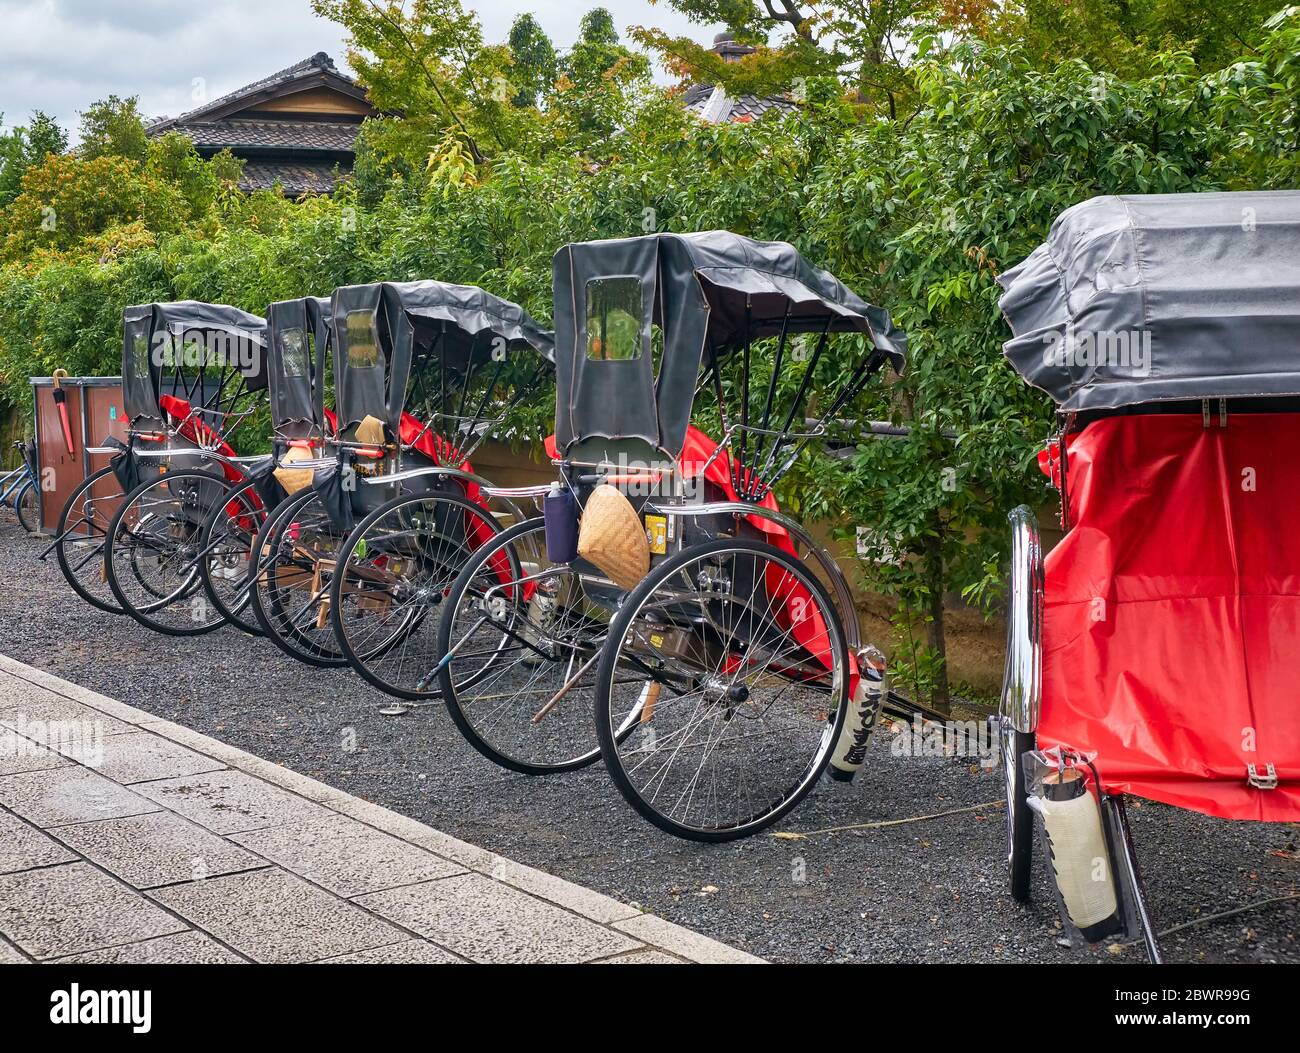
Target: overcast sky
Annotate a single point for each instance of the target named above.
(61, 55)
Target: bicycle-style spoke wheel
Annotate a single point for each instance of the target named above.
(721, 689)
(27, 505)
(79, 538)
(296, 548)
(394, 573)
(521, 642)
(155, 548)
(228, 567)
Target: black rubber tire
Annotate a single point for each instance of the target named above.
(27, 507)
(143, 616)
(446, 623)
(609, 666)
(70, 512)
(359, 661)
(1020, 817)
(243, 618)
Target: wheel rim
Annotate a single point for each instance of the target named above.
(522, 675)
(295, 584)
(720, 714)
(156, 550)
(82, 531)
(396, 571)
(228, 565)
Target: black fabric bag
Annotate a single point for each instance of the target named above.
(125, 465)
(334, 487)
(266, 485)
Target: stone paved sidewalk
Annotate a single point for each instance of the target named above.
(125, 838)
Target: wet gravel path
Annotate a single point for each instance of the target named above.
(925, 891)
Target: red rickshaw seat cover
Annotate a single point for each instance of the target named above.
(1171, 628)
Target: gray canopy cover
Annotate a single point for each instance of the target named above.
(704, 289)
(145, 324)
(1160, 297)
(407, 318)
(297, 394)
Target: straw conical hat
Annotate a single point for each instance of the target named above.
(370, 430)
(294, 479)
(611, 536)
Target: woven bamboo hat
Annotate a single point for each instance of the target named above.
(370, 430)
(294, 479)
(611, 537)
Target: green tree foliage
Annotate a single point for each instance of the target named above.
(113, 128)
(26, 146)
(535, 64)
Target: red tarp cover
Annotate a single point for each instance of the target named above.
(1171, 637)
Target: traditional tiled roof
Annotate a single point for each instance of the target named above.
(712, 104)
(294, 177)
(320, 68)
(237, 133)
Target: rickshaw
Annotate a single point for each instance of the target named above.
(663, 591)
(352, 568)
(192, 373)
(297, 348)
(178, 413)
(1152, 651)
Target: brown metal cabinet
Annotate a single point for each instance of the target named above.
(94, 413)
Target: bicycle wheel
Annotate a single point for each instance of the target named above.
(744, 689)
(393, 574)
(228, 565)
(27, 506)
(79, 539)
(154, 549)
(296, 551)
(520, 642)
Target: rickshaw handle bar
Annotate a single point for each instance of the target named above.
(1022, 677)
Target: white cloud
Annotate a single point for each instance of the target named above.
(61, 55)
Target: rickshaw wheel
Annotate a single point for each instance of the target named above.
(702, 738)
(396, 568)
(259, 603)
(296, 546)
(501, 673)
(1020, 818)
(152, 552)
(227, 566)
(82, 528)
(27, 507)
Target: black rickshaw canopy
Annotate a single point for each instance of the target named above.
(381, 330)
(298, 343)
(200, 347)
(1153, 298)
(709, 293)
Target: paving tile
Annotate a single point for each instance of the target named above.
(157, 849)
(642, 958)
(273, 916)
(11, 956)
(584, 901)
(346, 857)
(19, 754)
(68, 795)
(65, 909)
(43, 715)
(231, 801)
(412, 952)
(184, 948)
(485, 921)
(22, 846)
(141, 757)
(689, 944)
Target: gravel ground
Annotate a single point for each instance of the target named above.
(927, 891)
